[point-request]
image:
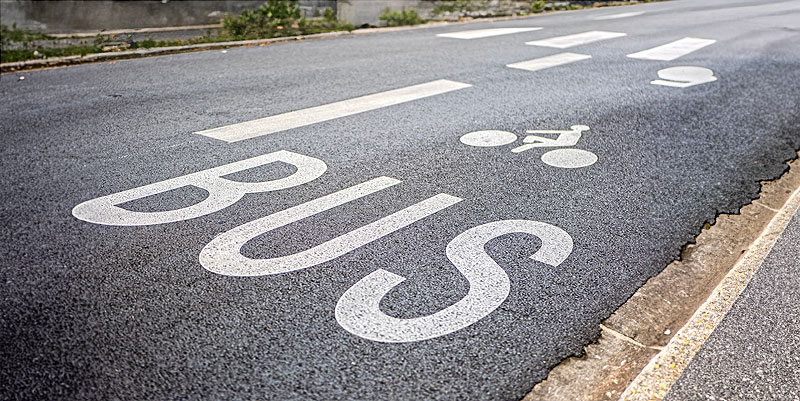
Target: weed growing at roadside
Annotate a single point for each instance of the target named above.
(13, 34)
(277, 18)
(400, 18)
(274, 18)
(32, 45)
(328, 23)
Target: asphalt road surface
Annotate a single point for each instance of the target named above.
(322, 280)
(754, 354)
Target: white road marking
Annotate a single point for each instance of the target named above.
(485, 33)
(617, 16)
(563, 42)
(488, 138)
(673, 50)
(569, 158)
(549, 61)
(562, 158)
(221, 192)
(313, 115)
(565, 138)
(684, 76)
(358, 310)
(223, 254)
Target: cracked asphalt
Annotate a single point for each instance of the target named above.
(94, 311)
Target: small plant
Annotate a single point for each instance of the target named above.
(20, 44)
(7, 56)
(13, 34)
(537, 6)
(327, 23)
(329, 16)
(277, 18)
(399, 18)
(148, 43)
(273, 19)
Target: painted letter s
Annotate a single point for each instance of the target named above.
(358, 309)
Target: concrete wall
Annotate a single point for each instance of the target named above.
(85, 16)
(361, 12)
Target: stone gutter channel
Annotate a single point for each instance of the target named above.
(636, 333)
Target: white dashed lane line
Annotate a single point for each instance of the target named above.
(549, 61)
(618, 16)
(673, 50)
(563, 42)
(313, 115)
(485, 33)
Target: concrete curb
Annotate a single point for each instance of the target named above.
(134, 30)
(642, 327)
(655, 380)
(99, 57)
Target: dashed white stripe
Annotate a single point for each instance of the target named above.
(313, 115)
(673, 50)
(563, 42)
(485, 33)
(549, 61)
(617, 16)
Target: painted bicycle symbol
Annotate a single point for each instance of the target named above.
(562, 158)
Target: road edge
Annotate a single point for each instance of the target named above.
(19, 66)
(639, 330)
(28, 65)
(664, 369)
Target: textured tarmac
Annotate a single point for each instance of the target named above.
(101, 312)
(753, 353)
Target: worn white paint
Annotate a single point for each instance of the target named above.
(569, 158)
(563, 42)
(673, 50)
(223, 254)
(618, 16)
(549, 61)
(485, 33)
(565, 138)
(358, 310)
(488, 138)
(313, 115)
(684, 76)
(221, 191)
